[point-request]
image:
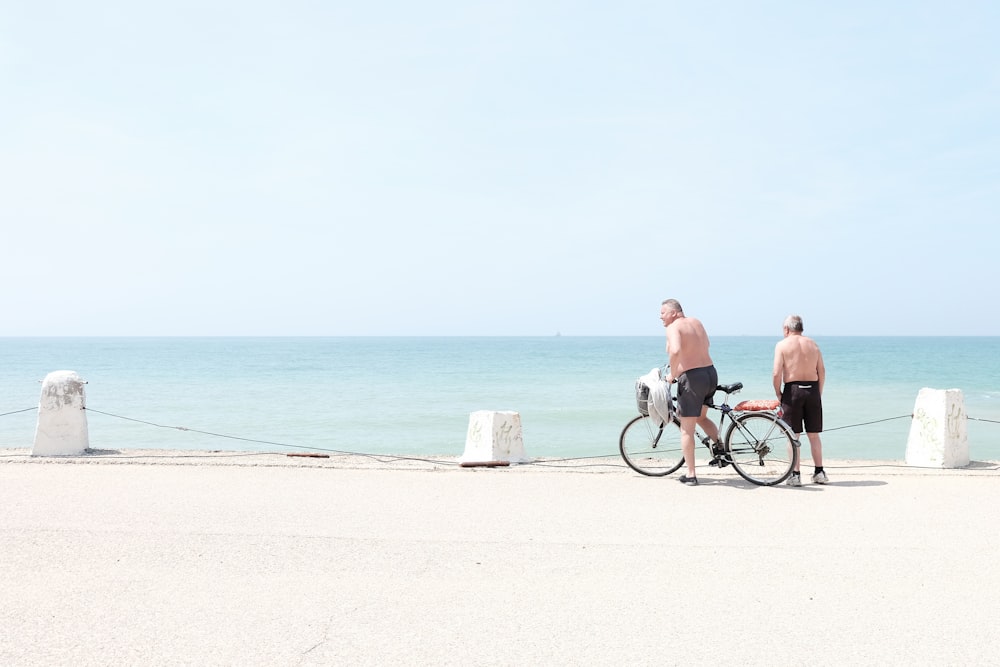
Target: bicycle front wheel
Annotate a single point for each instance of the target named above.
(762, 448)
(651, 449)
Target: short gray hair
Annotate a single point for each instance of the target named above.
(793, 323)
(673, 304)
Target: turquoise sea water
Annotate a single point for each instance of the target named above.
(413, 396)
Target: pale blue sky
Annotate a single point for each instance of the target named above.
(514, 168)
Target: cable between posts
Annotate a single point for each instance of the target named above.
(17, 412)
(388, 459)
(877, 421)
(375, 457)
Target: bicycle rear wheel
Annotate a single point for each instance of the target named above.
(651, 449)
(762, 448)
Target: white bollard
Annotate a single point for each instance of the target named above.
(939, 435)
(494, 437)
(62, 419)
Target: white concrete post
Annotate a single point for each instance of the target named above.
(62, 420)
(939, 436)
(494, 437)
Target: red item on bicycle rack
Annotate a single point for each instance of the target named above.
(757, 406)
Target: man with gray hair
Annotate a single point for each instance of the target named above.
(798, 364)
(692, 369)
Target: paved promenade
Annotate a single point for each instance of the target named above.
(152, 558)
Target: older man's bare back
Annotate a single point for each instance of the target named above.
(798, 378)
(687, 345)
(797, 359)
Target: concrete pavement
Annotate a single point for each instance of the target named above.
(157, 558)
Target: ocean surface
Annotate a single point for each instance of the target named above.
(413, 396)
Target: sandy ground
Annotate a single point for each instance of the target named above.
(198, 558)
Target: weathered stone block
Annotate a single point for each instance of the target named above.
(62, 420)
(939, 430)
(494, 436)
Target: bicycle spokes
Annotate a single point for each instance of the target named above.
(762, 448)
(650, 448)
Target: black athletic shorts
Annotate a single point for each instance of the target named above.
(800, 401)
(695, 388)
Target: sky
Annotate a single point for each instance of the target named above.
(526, 167)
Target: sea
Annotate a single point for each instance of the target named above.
(413, 396)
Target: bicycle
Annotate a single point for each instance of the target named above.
(760, 446)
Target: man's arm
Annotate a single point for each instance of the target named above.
(673, 349)
(820, 370)
(777, 370)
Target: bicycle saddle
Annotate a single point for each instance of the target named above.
(730, 388)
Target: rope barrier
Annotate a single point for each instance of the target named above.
(905, 466)
(15, 412)
(988, 421)
(877, 421)
(395, 458)
(375, 457)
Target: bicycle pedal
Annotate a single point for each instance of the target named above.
(718, 463)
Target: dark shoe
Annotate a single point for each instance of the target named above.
(689, 481)
(721, 460)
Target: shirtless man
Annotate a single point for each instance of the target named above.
(691, 368)
(799, 364)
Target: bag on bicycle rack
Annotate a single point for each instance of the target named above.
(660, 407)
(642, 397)
(652, 397)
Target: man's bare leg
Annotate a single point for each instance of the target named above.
(687, 442)
(707, 425)
(816, 448)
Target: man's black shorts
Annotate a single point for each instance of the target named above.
(800, 401)
(695, 388)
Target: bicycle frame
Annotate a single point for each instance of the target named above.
(726, 412)
(759, 445)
